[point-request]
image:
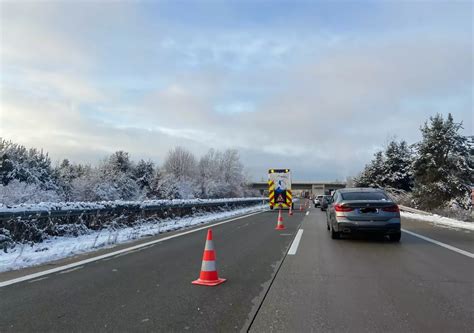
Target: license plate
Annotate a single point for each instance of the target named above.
(368, 210)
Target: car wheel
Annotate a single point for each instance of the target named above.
(395, 237)
(334, 234)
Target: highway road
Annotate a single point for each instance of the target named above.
(276, 282)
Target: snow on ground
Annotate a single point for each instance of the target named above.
(61, 247)
(439, 220)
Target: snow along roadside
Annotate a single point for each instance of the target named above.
(61, 247)
(439, 220)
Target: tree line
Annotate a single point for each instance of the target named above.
(28, 176)
(436, 172)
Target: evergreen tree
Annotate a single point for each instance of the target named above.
(144, 173)
(373, 174)
(397, 169)
(115, 179)
(163, 186)
(119, 162)
(443, 170)
(26, 165)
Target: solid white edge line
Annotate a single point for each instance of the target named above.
(111, 254)
(449, 247)
(296, 243)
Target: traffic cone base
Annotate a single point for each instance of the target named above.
(209, 283)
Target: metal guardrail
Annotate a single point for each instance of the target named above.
(413, 210)
(130, 208)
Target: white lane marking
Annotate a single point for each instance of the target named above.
(307, 213)
(111, 254)
(36, 280)
(71, 270)
(449, 247)
(121, 255)
(296, 243)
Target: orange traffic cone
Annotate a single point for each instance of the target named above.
(280, 225)
(208, 276)
(290, 212)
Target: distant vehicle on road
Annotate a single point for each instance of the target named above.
(317, 201)
(325, 200)
(363, 210)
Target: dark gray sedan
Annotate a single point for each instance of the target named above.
(363, 210)
(325, 200)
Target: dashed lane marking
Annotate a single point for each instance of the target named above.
(296, 243)
(40, 279)
(71, 270)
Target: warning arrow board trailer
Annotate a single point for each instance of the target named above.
(279, 188)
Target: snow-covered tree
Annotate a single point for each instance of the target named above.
(397, 169)
(66, 173)
(389, 168)
(28, 173)
(115, 179)
(25, 165)
(443, 170)
(163, 186)
(373, 174)
(210, 179)
(144, 173)
(232, 170)
(180, 170)
(180, 163)
(221, 174)
(17, 192)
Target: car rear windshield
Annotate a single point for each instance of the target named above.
(364, 196)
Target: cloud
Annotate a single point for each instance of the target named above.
(300, 91)
(235, 107)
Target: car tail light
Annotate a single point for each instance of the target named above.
(391, 209)
(342, 208)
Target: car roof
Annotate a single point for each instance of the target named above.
(360, 189)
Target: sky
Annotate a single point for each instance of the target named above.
(314, 86)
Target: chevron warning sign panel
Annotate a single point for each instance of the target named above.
(279, 188)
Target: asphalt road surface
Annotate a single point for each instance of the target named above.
(354, 284)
